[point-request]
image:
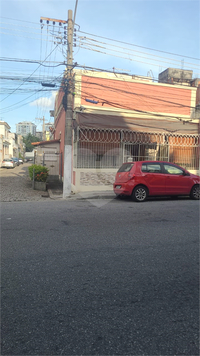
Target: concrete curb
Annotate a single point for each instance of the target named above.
(82, 196)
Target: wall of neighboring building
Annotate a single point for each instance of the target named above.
(87, 180)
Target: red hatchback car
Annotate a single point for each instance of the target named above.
(150, 178)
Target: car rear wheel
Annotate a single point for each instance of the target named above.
(195, 192)
(140, 193)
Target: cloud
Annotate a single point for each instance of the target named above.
(45, 102)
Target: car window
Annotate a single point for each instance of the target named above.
(126, 167)
(151, 168)
(172, 169)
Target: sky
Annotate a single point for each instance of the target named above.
(129, 36)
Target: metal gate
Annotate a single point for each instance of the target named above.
(53, 161)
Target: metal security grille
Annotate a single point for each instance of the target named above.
(51, 160)
(101, 148)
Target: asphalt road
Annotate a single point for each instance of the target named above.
(122, 279)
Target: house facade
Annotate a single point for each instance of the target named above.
(118, 118)
(11, 144)
(4, 140)
(13, 147)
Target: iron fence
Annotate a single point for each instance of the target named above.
(101, 148)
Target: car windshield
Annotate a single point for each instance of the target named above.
(126, 167)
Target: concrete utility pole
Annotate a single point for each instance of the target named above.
(69, 102)
(43, 127)
(69, 112)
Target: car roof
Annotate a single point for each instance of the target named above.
(149, 162)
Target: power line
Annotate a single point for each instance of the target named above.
(137, 124)
(106, 38)
(127, 49)
(8, 18)
(27, 78)
(32, 38)
(130, 59)
(131, 44)
(7, 109)
(32, 61)
(85, 94)
(112, 89)
(62, 63)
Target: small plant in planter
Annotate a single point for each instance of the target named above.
(40, 173)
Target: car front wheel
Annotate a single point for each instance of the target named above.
(140, 193)
(195, 192)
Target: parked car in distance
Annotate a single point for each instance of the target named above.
(8, 163)
(21, 161)
(155, 178)
(28, 159)
(16, 160)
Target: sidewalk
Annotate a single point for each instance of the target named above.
(55, 191)
(16, 186)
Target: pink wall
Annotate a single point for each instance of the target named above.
(136, 96)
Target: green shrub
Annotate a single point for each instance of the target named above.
(40, 173)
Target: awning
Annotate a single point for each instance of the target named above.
(135, 124)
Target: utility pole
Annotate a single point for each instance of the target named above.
(69, 112)
(67, 176)
(43, 127)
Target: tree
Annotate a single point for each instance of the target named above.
(28, 140)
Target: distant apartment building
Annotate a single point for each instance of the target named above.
(24, 128)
